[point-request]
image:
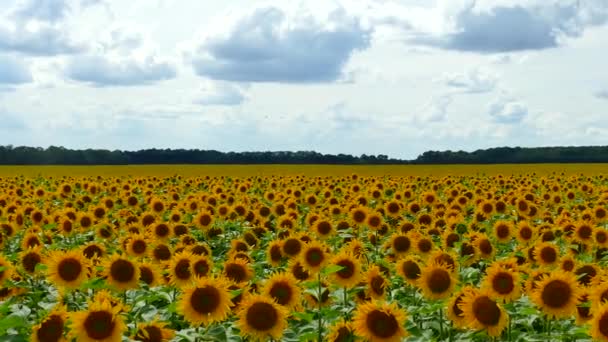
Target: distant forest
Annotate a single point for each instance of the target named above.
(10, 155)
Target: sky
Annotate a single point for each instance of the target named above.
(394, 77)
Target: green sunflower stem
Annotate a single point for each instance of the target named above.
(345, 297)
(440, 324)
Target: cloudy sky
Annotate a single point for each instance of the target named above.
(396, 77)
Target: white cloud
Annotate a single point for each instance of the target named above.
(507, 111)
(219, 93)
(274, 44)
(13, 71)
(474, 81)
(435, 110)
(123, 57)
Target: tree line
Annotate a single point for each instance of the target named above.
(53, 155)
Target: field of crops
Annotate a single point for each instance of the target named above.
(303, 253)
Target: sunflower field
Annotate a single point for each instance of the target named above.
(304, 258)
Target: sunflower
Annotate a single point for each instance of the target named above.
(481, 312)
(6, 269)
(502, 283)
(379, 322)
(238, 270)
(376, 283)
(525, 232)
(503, 231)
(323, 228)
(447, 258)
(557, 294)
(101, 322)
(203, 220)
(299, 272)
(342, 331)
(149, 274)
(424, 245)
(454, 313)
(314, 256)
(292, 247)
(121, 272)
(67, 269)
(206, 301)
(599, 323)
(546, 254)
(137, 245)
(51, 328)
(29, 258)
(400, 243)
(180, 269)
(283, 288)
(93, 251)
(153, 332)
(409, 268)
(160, 252)
(202, 265)
(436, 281)
(260, 318)
(350, 274)
(484, 246)
(359, 214)
(599, 294)
(274, 255)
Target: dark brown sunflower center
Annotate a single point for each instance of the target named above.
(382, 324)
(485, 246)
(236, 272)
(204, 220)
(377, 285)
(99, 325)
(122, 271)
(205, 300)
(182, 269)
(556, 294)
(401, 244)
(486, 311)
(344, 335)
(525, 233)
(281, 292)
(292, 247)
(201, 268)
(393, 208)
(146, 275)
(586, 273)
(275, 253)
(439, 281)
(467, 249)
(162, 230)
(139, 246)
(30, 260)
(411, 270)
(603, 325)
(149, 334)
(503, 283)
(452, 239)
(324, 227)
(358, 216)
(584, 232)
(69, 269)
(314, 256)
(457, 311)
(548, 254)
(91, 251)
(51, 329)
(425, 245)
(502, 231)
(162, 252)
(374, 221)
(348, 269)
(299, 272)
(262, 316)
